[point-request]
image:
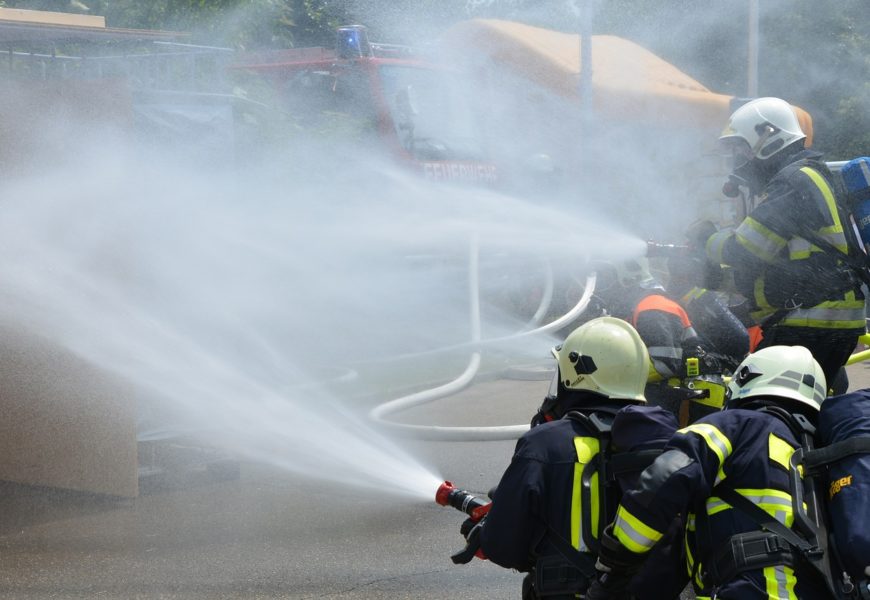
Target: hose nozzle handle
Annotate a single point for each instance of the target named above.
(449, 495)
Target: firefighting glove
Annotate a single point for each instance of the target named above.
(616, 565)
(470, 530)
(609, 586)
(467, 526)
(698, 233)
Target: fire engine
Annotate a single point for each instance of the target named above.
(410, 104)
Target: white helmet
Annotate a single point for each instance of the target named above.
(605, 356)
(761, 128)
(788, 372)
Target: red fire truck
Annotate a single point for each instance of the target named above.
(413, 107)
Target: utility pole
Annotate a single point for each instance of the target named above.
(752, 67)
(585, 85)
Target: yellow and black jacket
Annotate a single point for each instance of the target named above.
(748, 449)
(549, 500)
(778, 268)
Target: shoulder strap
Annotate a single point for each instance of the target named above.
(633, 462)
(600, 429)
(814, 459)
(764, 520)
(797, 423)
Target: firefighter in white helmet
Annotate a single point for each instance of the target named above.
(793, 255)
(708, 470)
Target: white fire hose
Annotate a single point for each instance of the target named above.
(505, 432)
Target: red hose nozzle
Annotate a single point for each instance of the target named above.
(442, 496)
(450, 495)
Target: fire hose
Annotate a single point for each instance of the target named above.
(441, 433)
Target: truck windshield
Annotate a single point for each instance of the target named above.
(432, 117)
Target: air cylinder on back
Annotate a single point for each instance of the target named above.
(856, 177)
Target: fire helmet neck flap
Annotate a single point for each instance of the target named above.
(778, 372)
(760, 129)
(605, 356)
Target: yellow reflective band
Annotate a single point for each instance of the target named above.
(779, 583)
(774, 502)
(758, 292)
(759, 240)
(693, 294)
(833, 314)
(653, 376)
(825, 189)
(587, 449)
(716, 440)
(716, 244)
(577, 507)
(633, 533)
(690, 559)
(779, 450)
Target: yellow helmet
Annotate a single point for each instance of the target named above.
(605, 356)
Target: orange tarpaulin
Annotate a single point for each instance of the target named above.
(628, 81)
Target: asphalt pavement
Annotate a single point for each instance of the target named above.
(269, 533)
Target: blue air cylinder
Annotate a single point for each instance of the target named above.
(856, 176)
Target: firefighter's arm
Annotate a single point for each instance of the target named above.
(693, 461)
(641, 522)
(761, 237)
(511, 526)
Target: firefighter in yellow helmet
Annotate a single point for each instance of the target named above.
(541, 521)
(793, 255)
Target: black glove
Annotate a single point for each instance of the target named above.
(698, 233)
(614, 557)
(610, 586)
(467, 526)
(471, 532)
(617, 565)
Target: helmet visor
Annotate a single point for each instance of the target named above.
(737, 151)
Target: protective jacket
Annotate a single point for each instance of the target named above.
(665, 328)
(529, 503)
(540, 511)
(778, 268)
(749, 452)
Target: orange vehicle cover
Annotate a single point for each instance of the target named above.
(628, 81)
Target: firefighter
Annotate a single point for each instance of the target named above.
(536, 523)
(630, 292)
(724, 336)
(744, 449)
(789, 254)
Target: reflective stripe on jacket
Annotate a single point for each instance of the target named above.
(749, 450)
(771, 257)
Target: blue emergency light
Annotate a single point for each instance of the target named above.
(352, 42)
